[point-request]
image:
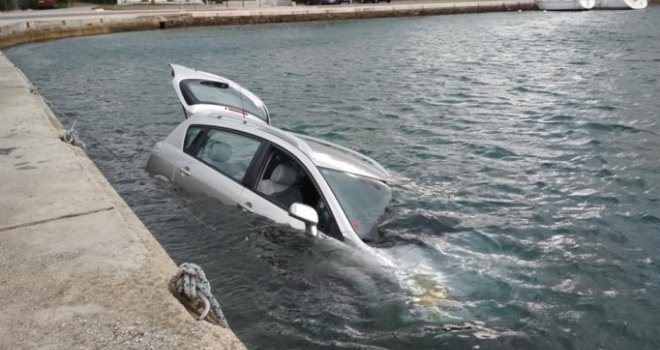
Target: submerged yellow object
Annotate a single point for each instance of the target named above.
(433, 297)
(430, 292)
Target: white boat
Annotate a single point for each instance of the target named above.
(621, 4)
(568, 5)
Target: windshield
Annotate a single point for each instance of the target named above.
(209, 92)
(363, 199)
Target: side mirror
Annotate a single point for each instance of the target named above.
(306, 214)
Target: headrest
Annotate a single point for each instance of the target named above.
(284, 174)
(219, 152)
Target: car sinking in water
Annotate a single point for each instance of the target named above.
(227, 149)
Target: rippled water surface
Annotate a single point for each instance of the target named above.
(524, 150)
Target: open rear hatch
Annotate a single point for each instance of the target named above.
(210, 95)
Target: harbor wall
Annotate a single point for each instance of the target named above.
(79, 269)
(42, 30)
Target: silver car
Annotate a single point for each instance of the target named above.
(230, 152)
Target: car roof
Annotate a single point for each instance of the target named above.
(323, 154)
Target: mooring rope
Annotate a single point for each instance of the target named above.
(71, 136)
(192, 288)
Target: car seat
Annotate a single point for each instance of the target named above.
(282, 177)
(217, 153)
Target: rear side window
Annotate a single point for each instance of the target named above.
(193, 134)
(228, 152)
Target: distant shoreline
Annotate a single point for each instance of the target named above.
(64, 23)
(67, 24)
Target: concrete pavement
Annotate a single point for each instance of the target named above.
(78, 270)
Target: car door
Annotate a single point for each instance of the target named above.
(207, 94)
(214, 162)
(281, 181)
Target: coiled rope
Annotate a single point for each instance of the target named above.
(71, 136)
(191, 287)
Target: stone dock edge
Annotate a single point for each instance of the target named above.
(43, 30)
(79, 270)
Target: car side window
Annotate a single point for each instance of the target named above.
(192, 134)
(227, 152)
(284, 182)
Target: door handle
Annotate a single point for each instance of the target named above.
(247, 206)
(185, 171)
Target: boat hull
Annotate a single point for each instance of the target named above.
(566, 5)
(621, 4)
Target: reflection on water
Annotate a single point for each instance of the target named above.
(523, 149)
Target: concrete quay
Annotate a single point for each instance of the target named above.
(15, 30)
(78, 270)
